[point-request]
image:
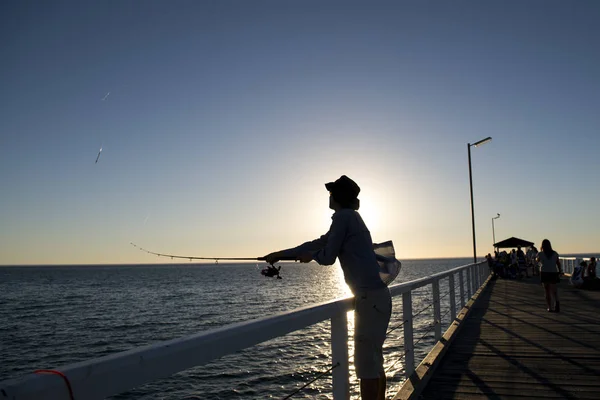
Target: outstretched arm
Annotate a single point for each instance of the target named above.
(302, 253)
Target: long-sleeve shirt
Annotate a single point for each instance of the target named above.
(349, 240)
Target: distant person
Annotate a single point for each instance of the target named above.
(550, 272)
(521, 263)
(490, 263)
(577, 275)
(536, 267)
(520, 253)
(591, 280)
(349, 240)
(514, 264)
(591, 269)
(504, 262)
(531, 257)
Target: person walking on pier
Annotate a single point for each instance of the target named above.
(349, 239)
(550, 272)
(532, 259)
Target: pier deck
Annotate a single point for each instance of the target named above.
(511, 347)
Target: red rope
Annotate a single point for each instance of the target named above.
(53, 371)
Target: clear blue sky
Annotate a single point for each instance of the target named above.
(225, 119)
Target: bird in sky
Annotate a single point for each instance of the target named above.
(98, 155)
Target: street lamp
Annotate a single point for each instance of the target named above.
(493, 232)
(479, 143)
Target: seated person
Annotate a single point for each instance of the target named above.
(590, 279)
(577, 275)
(591, 268)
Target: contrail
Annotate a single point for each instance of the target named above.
(104, 98)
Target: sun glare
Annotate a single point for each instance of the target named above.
(370, 214)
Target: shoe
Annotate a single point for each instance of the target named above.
(557, 307)
(549, 310)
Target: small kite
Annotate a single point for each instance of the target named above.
(98, 157)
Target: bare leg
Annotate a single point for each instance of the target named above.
(369, 389)
(373, 389)
(382, 387)
(554, 290)
(547, 295)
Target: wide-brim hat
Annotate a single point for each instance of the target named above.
(343, 187)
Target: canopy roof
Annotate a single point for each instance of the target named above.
(512, 242)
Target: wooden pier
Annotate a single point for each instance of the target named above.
(509, 346)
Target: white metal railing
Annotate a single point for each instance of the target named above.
(568, 263)
(109, 375)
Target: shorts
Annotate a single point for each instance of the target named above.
(549, 277)
(372, 313)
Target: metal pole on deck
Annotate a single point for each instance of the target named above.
(493, 231)
(478, 143)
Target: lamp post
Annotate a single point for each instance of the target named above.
(494, 232)
(479, 143)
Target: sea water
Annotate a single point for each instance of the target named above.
(53, 316)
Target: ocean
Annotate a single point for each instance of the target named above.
(53, 316)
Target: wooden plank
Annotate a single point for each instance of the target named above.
(417, 381)
(511, 347)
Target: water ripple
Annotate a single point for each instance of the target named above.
(54, 316)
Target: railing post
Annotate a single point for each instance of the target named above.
(409, 366)
(484, 273)
(571, 266)
(469, 283)
(461, 282)
(339, 350)
(482, 269)
(437, 315)
(452, 298)
(567, 268)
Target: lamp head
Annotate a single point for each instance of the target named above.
(482, 141)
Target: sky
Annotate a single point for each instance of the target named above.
(220, 122)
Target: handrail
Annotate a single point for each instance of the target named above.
(569, 263)
(109, 375)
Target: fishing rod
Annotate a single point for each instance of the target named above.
(209, 258)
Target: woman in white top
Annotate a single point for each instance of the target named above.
(550, 271)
